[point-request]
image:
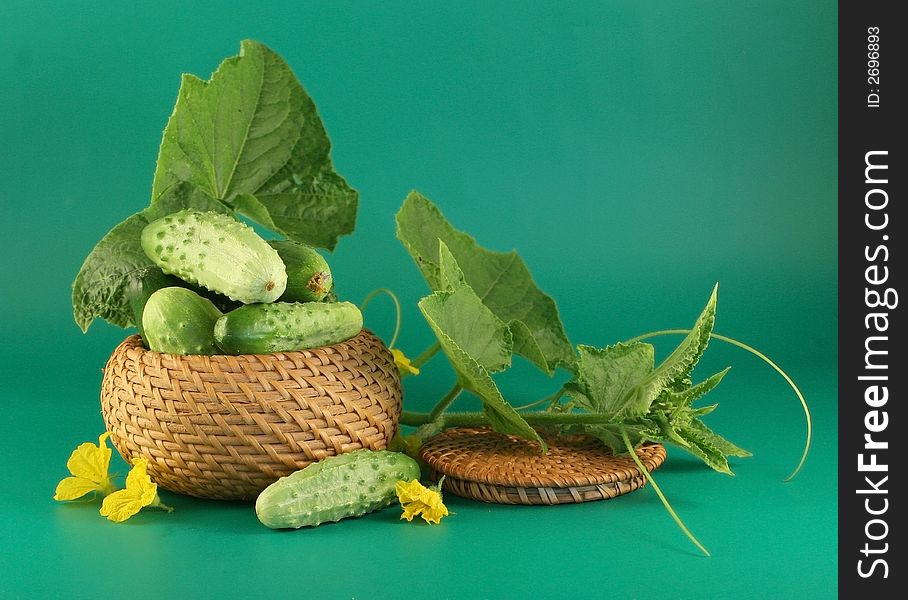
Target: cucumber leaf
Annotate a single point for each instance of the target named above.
(651, 403)
(606, 378)
(461, 315)
(716, 440)
(251, 137)
(180, 196)
(476, 342)
(501, 280)
(231, 134)
(704, 447)
(315, 212)
(476, 379)
(685, 398)
(674, 372)
(466, 322)
(99, 289)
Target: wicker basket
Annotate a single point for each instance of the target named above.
(484, 465)
(226, 427)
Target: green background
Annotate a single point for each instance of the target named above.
(633, 153)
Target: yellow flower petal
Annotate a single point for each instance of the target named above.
(140, 492)
(416, 499)
(89, 461)
(409, 491)
(411, 509)
(433, 507)
(139, 483)
(121, 505)
(403, 363)
(75, 487)
(88, 464)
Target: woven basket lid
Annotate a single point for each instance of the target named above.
(484, 465)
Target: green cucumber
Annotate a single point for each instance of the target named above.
(346, 485)
(286, 326)
(153, 279)
(308, 275)
(179, 321)
(140, 289)
(218, 253)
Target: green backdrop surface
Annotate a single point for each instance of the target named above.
(634, 154)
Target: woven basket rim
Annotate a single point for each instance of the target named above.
(135, 341)
(482, 456)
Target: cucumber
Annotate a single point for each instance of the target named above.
(218, 253)
(346, 485)
(286, 326)
(140, 289)
(179, 321)
(308, 275)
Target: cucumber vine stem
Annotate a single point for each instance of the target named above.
(371, 295)
(768, 361)
(479, 419)
(668, 507)
(426, 355)
(550, 399)
(445, 402)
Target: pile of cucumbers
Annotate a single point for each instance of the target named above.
(222, 289)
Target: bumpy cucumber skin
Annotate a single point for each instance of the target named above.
(346, 485)
(286, 326)
(308, 274)
(179, 321)
(218, 253)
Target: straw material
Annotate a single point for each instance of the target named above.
(481, 464)
(227, 426)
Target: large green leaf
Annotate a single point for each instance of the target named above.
(475, 378)
(501, 280)
(650, 403)
(316, 211)
(459, 312)
(607, 377)
(231, 134)
(466, 322)
(252, 138)
(180, 196)
(99, 289)
(476, 342)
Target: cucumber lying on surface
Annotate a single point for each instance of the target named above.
(216, 252)
(179, 321)
(346, 485)
(308, 275)
(286, 326)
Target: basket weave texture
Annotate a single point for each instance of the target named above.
(484, 465)
(226, 427)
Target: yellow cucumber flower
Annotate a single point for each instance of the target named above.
(140, 492)
(88, 464)
(403, 363)
(418, 500)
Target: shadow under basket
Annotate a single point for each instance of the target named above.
(226, 427)
(484, 465)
